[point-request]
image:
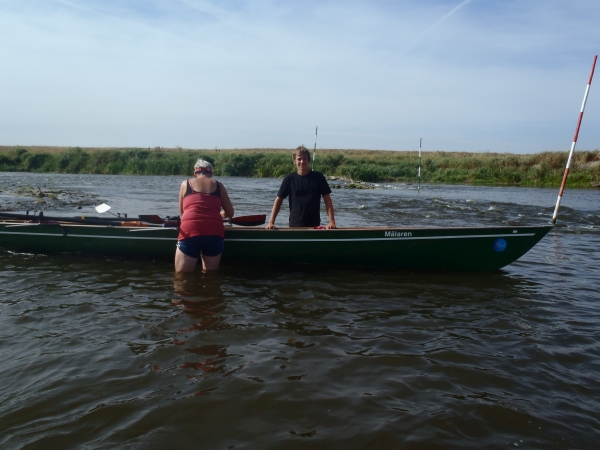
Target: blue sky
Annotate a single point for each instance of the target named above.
(470, 75)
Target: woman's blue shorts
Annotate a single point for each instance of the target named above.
(208, 245)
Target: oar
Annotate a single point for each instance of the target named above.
(42, 218)
(248, 221)
(105, 208)
(152, 218)
(170, 222)
(84, 216)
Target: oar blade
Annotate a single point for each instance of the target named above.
(152, 218)
(102, 208)
(249, 221)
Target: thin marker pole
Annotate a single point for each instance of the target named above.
(564, 180)
(420, 142)
(315, 149)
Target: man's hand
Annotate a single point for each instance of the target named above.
(274, 212)
(331, 226)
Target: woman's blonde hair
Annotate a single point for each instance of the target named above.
(203, 167)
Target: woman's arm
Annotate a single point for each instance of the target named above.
(226, 203)
(182, 190)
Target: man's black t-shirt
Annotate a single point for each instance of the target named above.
(305, 197)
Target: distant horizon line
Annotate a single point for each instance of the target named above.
(57, 148)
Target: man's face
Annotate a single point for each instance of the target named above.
(302, 162)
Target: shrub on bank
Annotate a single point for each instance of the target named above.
(542, 169)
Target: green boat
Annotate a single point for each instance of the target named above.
(459, 248)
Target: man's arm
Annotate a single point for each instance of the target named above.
(330, 212)
(274, 212)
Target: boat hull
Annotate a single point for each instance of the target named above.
(459, 248)
(472, 248)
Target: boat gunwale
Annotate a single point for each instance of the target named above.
(385, 228)
(282, 229)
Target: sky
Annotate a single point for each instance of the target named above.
(463, 75)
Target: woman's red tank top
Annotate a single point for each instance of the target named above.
(201, 214)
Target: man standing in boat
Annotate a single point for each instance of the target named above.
(304, 189)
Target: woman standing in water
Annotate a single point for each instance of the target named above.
(203, 204)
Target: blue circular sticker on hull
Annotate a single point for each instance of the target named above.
(499, 245)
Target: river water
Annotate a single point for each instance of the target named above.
(111, 353)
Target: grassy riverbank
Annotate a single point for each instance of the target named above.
(540, 169)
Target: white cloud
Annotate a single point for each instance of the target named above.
(464, 75)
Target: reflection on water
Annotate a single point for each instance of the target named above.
(106, 353)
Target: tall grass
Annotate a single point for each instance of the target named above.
(541, 169)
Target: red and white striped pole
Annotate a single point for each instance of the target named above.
(564, 180)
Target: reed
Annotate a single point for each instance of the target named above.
(540, 169)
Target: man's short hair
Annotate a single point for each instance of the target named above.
(302, 150)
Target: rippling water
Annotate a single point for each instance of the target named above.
(101, 353)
